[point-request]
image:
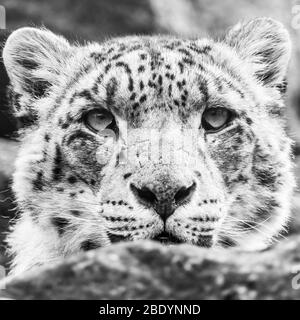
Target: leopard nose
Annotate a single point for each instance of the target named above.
(163, 199)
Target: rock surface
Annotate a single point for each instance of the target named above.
(149, 270)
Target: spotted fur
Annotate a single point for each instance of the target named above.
(78, 190)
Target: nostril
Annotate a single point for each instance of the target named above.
(184, 193)
(144, 194)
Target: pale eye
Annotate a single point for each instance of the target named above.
(99, 120)
(214, 119)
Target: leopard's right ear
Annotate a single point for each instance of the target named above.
(34, 59)
(265, 44)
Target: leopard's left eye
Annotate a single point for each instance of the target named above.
(99, 120)
(214, 119)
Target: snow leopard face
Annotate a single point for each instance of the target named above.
(162, 138)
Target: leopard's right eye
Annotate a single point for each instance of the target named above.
(214, 119)
(99, 120)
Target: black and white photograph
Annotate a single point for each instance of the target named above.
(149, 150)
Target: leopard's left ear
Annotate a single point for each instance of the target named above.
(265, 43)
(34, 60)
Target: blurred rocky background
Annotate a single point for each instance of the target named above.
(101, 19)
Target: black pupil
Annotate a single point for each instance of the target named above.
(215, 119)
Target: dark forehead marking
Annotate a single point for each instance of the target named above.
(135, 47)
(189, 50)
(133, 96)
(156, 58)
(85, 68)
(191, 54)
(98, 57)
(125, 66)
(47, 137)
(142, 85)
(224, 66)
(130, 84)
(157, 84)
(200, 49)
(172, 44)
(181, 84)
(95, 87)
(128, 71)
(107, 68)
(88, 94)
(143, 56)
(185, 52)
(111, 88)
(57, 169)
(203, 88)
(116, 56)
(181, 67)
(141, 69)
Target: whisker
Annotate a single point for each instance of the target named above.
(254, 227)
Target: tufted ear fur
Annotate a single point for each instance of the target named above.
(265, 43)
(33, 59)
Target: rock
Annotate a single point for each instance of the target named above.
(149, 270)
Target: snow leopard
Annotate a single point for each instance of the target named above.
(177, 140)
